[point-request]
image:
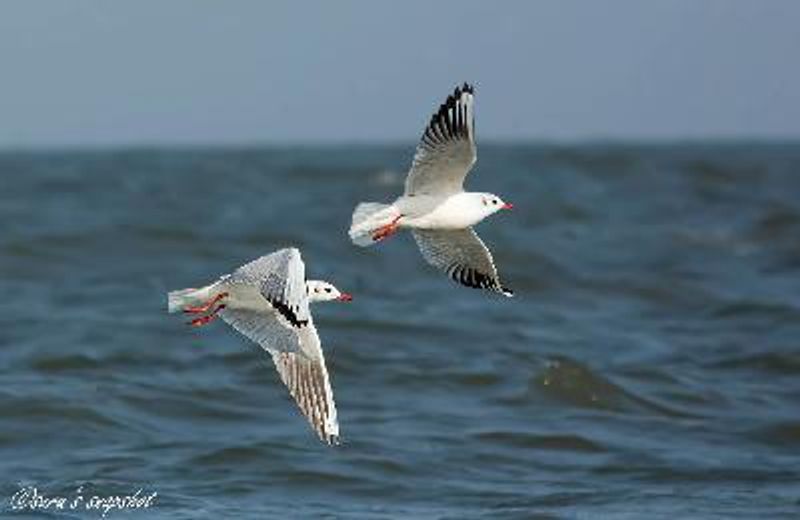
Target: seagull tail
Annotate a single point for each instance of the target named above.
(178, 300)
(368, 218)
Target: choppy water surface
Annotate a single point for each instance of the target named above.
(649, 366)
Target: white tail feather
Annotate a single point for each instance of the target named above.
(368, 217)
(178, 300)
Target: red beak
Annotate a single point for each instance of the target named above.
(508, 205)
(345, 297)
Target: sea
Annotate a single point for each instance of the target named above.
(648, 366)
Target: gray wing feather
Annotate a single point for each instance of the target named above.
(281, 279)
(263, 327)
(298, 357)
(447, 151)
(308, 382)
(277, 317)
(462, 255)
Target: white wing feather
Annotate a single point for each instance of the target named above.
(270, 307)
(281, 279)
(462, 255)
(308, 382)
(447, 151)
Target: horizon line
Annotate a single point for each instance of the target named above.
(223, 145)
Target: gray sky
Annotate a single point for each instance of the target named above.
(99, 73)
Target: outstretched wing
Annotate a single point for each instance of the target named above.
(447, 149)
(271, 309)
(281, 279)
(298, 357)
(461, 254)
(308, 382)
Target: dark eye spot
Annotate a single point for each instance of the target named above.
(494, 201)
(327, 289)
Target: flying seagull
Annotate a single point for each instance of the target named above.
(435, 206)
(268, 301)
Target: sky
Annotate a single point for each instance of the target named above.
(92, 73)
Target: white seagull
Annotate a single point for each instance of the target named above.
(435, 206)
(268, 301)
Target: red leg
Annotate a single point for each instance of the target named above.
(208, 318)
(387, 230)
(207, 305)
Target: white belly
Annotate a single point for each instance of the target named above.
(454, 212)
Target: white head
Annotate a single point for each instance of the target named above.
(491, 203)
(321, 291)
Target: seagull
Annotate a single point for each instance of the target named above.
(268, 300)
(435, 206)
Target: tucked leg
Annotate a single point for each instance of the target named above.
(207, 305)
(208, 318)
(387, 230)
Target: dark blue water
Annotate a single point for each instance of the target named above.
(649, 366)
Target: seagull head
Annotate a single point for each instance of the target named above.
(492, 203)
(321, 291)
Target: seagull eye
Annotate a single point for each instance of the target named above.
(494, 201)
(327, 289)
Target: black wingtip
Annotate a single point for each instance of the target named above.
(508, 293)
(444, 124)
(459, 91)
(451, 101)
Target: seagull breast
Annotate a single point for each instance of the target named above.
(458, 211)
